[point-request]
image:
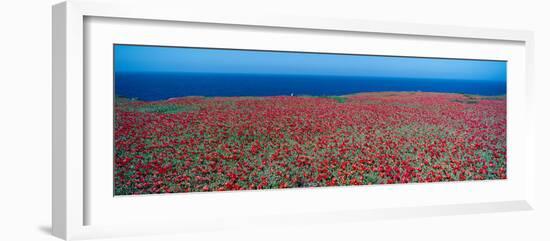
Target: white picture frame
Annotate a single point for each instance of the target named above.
(74, 200)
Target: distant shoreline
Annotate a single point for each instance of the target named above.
(313, 96)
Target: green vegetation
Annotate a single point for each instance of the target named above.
(474, 99)
(467, 101)
(122, 99)
(497, 97)
(165, 109)
(339, 99)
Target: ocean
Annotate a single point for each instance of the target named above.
(149, 86)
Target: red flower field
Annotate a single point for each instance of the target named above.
(197, 144)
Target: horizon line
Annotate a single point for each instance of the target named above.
(298, 74)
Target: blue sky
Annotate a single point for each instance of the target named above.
(131, 58)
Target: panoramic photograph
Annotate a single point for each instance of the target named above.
(192, 119)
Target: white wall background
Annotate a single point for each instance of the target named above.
(25, 119)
